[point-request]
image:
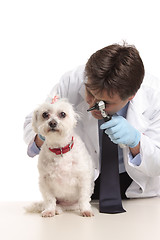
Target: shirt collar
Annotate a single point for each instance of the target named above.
(123, 111)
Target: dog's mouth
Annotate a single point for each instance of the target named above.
(53, 130)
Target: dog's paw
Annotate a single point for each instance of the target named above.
(58, 210)
(88, 213)
(48, 213)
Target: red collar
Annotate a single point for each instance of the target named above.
(61, 151)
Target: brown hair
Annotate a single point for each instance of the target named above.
(118, 69)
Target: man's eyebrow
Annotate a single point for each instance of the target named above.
(88, 90)
(106, 102)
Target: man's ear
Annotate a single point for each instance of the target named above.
(131, 97)
(34, 121)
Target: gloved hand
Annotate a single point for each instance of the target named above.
(121, 132)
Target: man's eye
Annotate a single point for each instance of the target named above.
(62, 115)
(45, 115)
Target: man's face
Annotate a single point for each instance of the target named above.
(113, 104)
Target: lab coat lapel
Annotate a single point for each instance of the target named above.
(136, 117)
(136, 112)
(90, 124)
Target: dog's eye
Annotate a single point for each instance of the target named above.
(62, 115)
(45, 115)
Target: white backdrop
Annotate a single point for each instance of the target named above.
(42, 39)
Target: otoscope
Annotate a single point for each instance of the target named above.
(101, 107)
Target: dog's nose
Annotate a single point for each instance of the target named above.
(52, 124)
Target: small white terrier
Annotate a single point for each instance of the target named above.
(66, 173)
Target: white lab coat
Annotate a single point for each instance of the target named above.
(143, 113)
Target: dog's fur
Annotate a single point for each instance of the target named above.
(66, 181)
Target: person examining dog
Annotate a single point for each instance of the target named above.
(114, 74)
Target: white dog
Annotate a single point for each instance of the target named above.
(66, 173)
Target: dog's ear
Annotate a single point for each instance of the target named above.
(34, 121)
(77, 118)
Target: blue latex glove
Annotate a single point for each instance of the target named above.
(121, 132)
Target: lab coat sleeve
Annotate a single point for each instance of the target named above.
(29, 134)
(32, 150)
(150, 148)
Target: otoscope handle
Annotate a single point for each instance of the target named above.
(122, 145)
(107, 118)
